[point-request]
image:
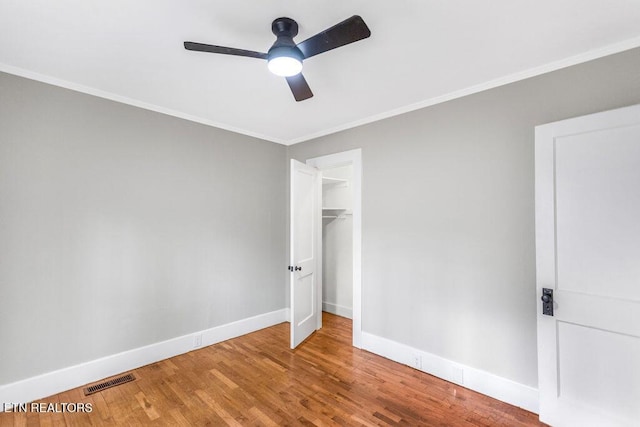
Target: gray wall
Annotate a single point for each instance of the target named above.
(121, 227)
(448, 213)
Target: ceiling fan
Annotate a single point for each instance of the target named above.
(285, 57)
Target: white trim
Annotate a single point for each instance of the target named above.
(338, 310)
(353, 157)
(64, 379)
(475, 379)
(501, 81)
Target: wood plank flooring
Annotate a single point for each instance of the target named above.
(257, 380)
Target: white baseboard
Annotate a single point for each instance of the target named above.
(338, 310)
(475, 379)
(64, 379)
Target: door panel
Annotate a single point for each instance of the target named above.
(304, 307)
(597, 212)
(305, 241)
(304, 204)
(601, 387)
(588, 252)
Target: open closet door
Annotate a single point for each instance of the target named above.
(306, 213)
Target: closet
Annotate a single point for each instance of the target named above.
(337, 241)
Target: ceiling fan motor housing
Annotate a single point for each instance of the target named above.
(285, 29)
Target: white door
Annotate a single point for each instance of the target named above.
(306, 213)
(588, 252)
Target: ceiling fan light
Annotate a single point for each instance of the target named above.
(284, 66)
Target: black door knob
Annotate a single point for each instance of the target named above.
(547, 301)
(298, 268)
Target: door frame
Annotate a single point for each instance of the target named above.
(345, 158)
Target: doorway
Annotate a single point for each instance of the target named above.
(340, 272)
(337, 241)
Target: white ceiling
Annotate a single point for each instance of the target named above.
(420, 53)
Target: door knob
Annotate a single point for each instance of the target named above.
(547, 301)
(298, 268)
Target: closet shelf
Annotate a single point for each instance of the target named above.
(333, 181)
(335, 213)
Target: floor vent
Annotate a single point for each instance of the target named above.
(108, 384)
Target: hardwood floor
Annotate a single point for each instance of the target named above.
(257, 380)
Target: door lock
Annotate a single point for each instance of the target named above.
(547, 301)
(292, 268)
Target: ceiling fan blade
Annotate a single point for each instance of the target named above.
(348, 31)
(200, 47)
(299, 87)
